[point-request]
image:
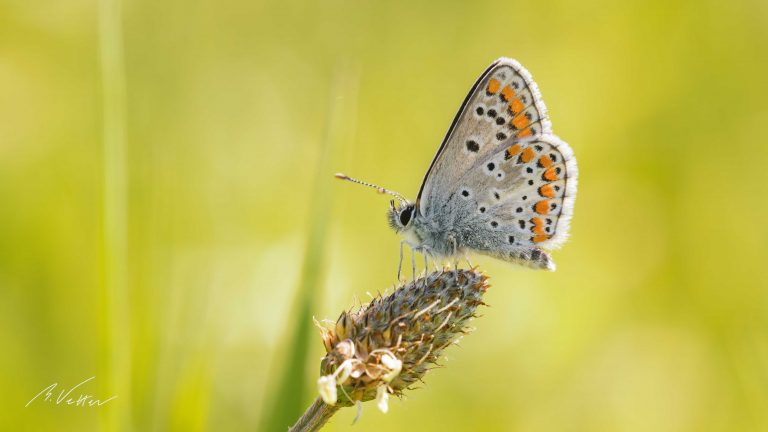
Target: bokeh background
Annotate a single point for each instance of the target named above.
(169, 222)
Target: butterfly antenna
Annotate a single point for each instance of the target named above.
(380, 189)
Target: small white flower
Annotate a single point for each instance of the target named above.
(343, 371)
(326, 385)
(382, 398)
(359, 408)
(393, 364)
(346, 348)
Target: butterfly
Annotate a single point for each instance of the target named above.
(501, 183)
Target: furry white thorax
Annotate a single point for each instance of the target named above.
(424, 235)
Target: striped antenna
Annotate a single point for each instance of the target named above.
(379, 189)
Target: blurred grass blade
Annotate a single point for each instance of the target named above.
(286, 400)
(114, 366)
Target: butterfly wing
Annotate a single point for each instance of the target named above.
(501, 180)
(517, 202)
(504, 102)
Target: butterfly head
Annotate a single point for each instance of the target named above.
(400, 216)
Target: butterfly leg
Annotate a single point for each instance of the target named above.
(431, 257)
(400, 264)
(413, 264)
(425, 252)
(455, 259)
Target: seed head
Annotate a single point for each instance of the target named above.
(390, 344)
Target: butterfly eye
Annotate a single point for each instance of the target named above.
(405, 216)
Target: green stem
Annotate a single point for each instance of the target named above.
(115, 310)
(314, 417)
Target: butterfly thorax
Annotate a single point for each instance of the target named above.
(425, 233)
(438, 240)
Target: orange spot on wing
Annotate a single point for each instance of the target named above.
(541, 207)
(493, 86)
(547, 191)
(538, 226)
(539, 238)
(516, 106)
(550, 175)
(514, 150)
(508, 93)
(525, 133)
(545, 161)
(520, 121)
(528, 155)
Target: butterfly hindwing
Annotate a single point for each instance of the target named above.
(518, 201)
(504, 103)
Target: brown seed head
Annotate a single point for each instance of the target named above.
(394, 340)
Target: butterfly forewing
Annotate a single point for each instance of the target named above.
(504, 103)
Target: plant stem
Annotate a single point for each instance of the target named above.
(115, 311)
(314, 417)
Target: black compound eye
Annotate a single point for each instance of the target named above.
(405, 216)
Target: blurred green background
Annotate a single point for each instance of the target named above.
(165, 165)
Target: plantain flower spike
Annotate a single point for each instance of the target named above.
(388, 345)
